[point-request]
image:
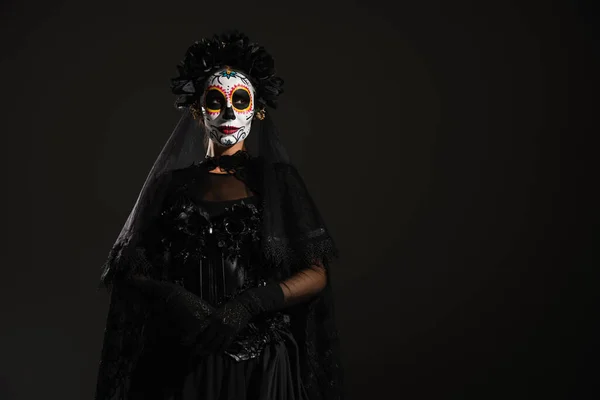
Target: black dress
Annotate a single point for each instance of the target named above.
(211, 241)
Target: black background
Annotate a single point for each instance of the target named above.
(442, 140)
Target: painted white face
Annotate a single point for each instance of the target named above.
(228, 107)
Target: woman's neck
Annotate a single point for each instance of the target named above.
(227, 151)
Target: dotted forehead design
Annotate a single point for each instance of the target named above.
(222, 80)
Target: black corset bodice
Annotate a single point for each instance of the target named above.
(214, 247)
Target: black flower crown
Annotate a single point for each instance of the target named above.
(232, 49)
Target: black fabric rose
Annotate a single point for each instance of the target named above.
(227, 162)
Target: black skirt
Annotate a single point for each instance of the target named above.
(172, 374)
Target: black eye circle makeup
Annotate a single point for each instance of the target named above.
(215, 100)
(240, 99)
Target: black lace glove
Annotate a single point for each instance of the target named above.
(185, 314)
(229, 319)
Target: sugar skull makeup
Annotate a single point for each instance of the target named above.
(228, 107)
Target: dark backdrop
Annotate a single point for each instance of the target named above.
(443, 141)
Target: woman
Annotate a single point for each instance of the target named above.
(220, 280)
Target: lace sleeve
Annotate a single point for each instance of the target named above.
(304, 284)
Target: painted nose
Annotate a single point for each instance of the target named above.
(229, 115)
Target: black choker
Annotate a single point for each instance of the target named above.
(229, 162)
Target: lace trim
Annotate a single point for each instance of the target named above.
(122, 346)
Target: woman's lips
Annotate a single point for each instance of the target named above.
(228, 130)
